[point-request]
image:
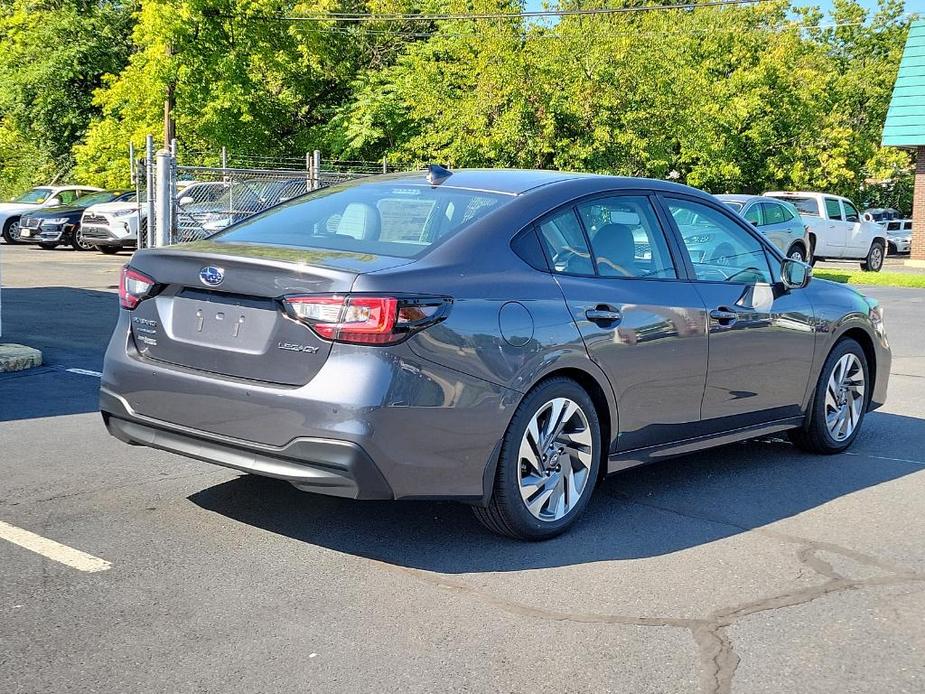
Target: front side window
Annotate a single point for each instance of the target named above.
(66, 197)
(394, 219)
(851, 212)
(720, 250)
(833, 209)
(626, 238)
(565, 244)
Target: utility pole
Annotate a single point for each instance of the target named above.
(169, 125)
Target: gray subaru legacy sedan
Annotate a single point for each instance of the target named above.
(502, 338)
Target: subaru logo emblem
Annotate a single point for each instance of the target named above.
(211, 276)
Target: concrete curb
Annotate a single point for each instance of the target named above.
(18, 357)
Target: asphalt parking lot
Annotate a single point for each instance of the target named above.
(752, 568)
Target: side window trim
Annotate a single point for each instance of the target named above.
(772, 255)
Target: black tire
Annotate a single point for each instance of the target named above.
(796, 252)
(8, 230)
(891, 249)
(874, 260)
(814, 436)
(507, 513)
(108, 250)
(48, 246)
(78, 244)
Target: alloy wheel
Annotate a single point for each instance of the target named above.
(797, 254)
(844, 397)
(555, 458)
(876, 257)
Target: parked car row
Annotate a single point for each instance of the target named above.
(804, 226)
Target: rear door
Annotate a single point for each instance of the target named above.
(761, 338)
(641, 320)
(775, 226)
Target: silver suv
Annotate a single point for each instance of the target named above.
(778, 220)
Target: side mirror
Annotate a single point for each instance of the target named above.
(754, 222)
(52, 201)
(185, 200)
(795, 274)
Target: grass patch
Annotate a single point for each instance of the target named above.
(873, 279)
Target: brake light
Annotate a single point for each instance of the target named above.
(133, 287)
(366, 320)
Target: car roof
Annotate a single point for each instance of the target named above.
(739, 197)
(520, 181)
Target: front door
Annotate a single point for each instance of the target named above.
(836, 234)
(857, 241)
(641, 324)
(761, 337)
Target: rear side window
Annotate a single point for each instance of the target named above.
(907, 226)
(833, 209)
(626, 238)
(808, 206)
(401, 220)
(774, 213)
(892, 226)
(564, 242)
(753, 214)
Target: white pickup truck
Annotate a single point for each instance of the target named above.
(836, 229)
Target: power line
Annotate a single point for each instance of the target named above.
(534, 14)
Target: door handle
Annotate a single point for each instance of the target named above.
(724, 316)
(604, 315)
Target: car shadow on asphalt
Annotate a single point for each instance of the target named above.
(71, 327)
(648, 511)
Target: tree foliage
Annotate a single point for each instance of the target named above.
(728, 99)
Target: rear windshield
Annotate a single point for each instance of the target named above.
(805, 205)
(737, 206)
(401, 220)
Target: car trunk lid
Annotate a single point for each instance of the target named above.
(218, 307)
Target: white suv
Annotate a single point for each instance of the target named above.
(113, 226)
(34, 199)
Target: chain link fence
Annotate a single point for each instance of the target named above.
(205, 198)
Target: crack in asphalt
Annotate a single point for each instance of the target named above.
(716, 654)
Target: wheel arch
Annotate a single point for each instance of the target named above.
(802, 244)
(863, 338)
(605, 405)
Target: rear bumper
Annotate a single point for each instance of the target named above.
(325, 466)
(384, 422)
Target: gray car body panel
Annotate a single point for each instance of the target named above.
(429, 413)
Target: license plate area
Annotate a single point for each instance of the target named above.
(223, 321)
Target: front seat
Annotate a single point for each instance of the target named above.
(615, 249)
(360, 221)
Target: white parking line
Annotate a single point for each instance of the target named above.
(85, 372)
(883, 457)
(53, 550)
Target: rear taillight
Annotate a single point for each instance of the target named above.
(366, 320)
(133, 287)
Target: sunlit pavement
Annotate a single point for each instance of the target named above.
(754, 568)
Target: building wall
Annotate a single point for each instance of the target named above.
(918, 208)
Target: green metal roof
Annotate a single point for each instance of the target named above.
(905, 121)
